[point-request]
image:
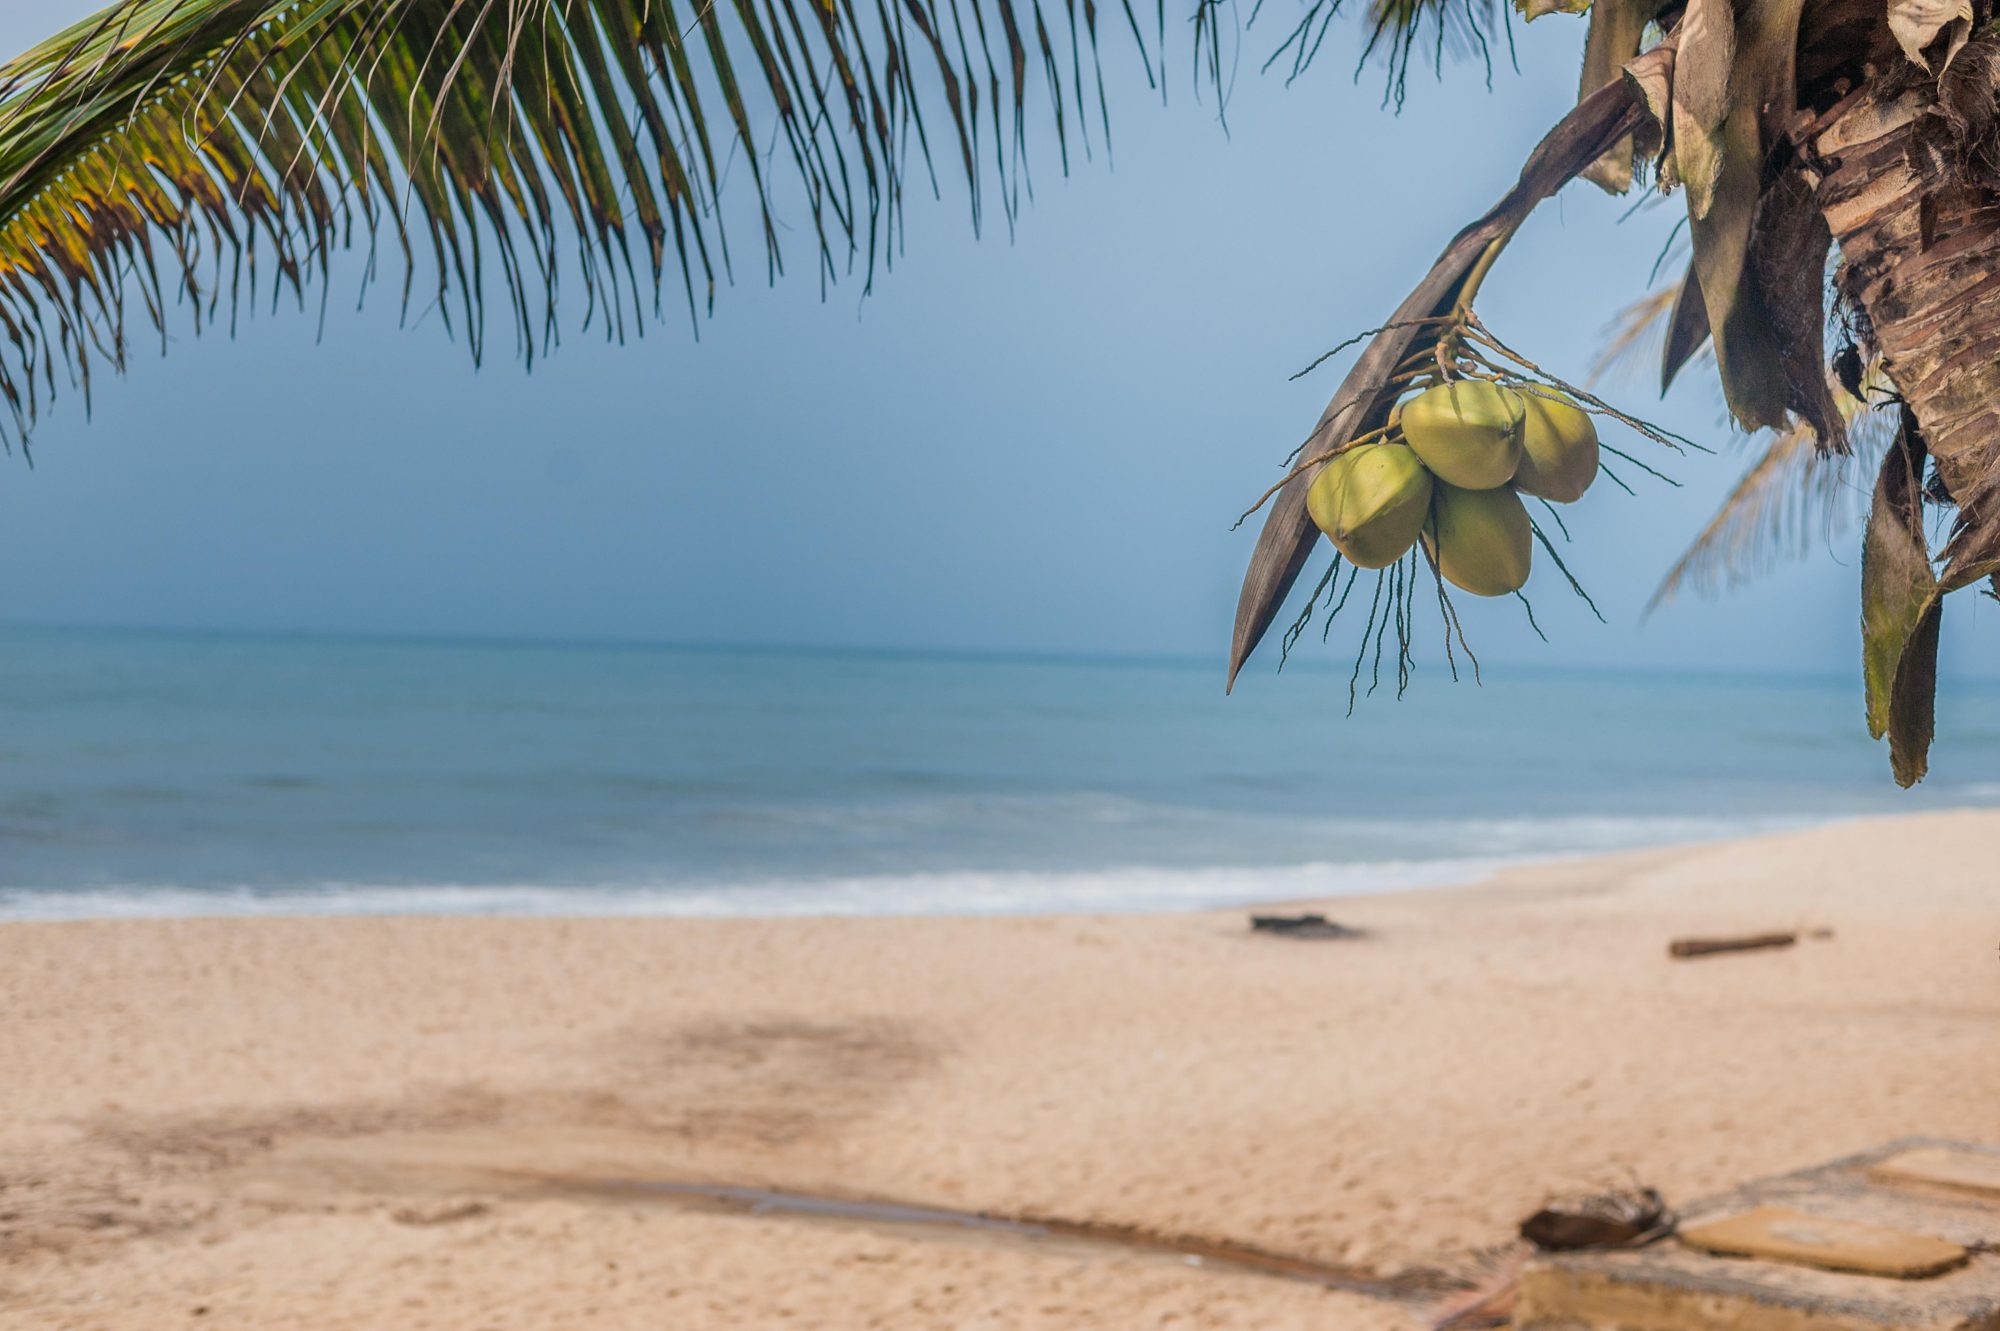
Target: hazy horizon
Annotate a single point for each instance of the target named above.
(1320, 661)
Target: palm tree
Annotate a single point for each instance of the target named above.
(1788, 130)
(208, 154)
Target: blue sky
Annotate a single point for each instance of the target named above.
(1036, 445)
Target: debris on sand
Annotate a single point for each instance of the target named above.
(1626, 1218)
(1301, 926)
(1682, 948)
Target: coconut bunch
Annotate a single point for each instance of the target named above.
(1462, 435)
(1450, 469)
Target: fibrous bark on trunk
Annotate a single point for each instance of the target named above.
(1920, 251)
(1919, 238)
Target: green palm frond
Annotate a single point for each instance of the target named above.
(1399, 33)
(204, 136)
(204, 152)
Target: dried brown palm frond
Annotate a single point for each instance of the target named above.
(1635, 332)
(1666, 326)
(1796, 497)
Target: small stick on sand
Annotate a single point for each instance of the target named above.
(1682, 948)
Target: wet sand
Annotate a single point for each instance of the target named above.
(440, 1123)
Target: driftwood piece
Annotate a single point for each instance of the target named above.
(1301, 926)
(1623, 1219)
(1703, 947)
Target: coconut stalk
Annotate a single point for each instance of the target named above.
(1601, 121)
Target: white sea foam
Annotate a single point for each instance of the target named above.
(1499, 842)
(953, 893)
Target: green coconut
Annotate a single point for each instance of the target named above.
(1371, 501)
(1482, 539)
(1558, 449)
(1468, 432)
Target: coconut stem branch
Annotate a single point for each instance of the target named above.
(1602, 119)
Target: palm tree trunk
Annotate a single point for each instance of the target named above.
(1921, 258)
(1919, 240)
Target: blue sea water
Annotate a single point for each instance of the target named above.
(159, 774)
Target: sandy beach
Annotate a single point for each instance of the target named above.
(437, 1122)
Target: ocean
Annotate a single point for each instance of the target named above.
(148, 774)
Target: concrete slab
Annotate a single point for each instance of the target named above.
(1671, 1286)
(1974, 1172)
(1780, 1234)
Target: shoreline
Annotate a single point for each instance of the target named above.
(339, 1121)
(708, 900)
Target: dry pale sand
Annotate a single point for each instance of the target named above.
(394, 1123)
